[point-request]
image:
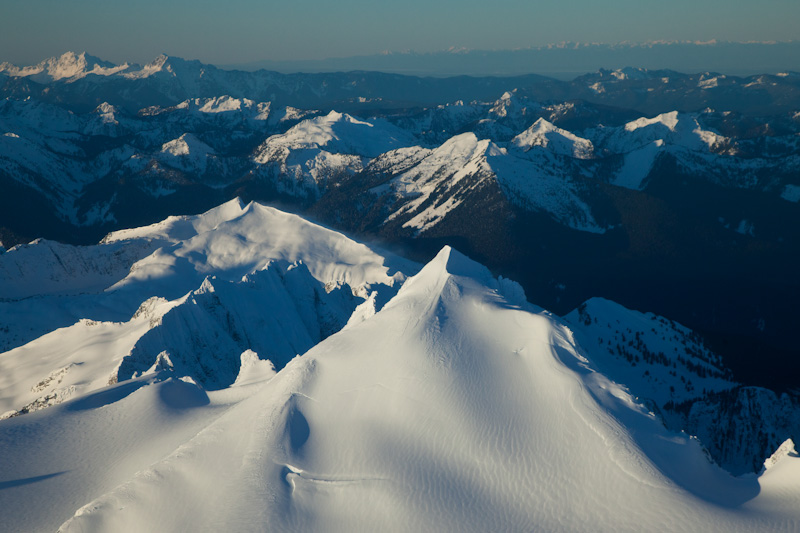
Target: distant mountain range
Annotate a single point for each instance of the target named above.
(564, 61)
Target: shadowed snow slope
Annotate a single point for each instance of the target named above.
(450, 409)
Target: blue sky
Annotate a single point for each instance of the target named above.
(238, 31)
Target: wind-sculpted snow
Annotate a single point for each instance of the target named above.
(279, 312)
(48, 267)
(455, 406)
(234, 240)
(191, 293)
(71, 361)
(450, 409)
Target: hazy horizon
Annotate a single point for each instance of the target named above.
(562, 61)
(243, 31)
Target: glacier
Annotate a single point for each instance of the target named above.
(447, 402)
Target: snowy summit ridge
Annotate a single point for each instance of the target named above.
(455, 406)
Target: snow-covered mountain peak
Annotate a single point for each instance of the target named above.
(450, 393)
(163, 65)
(439, 180)
(220, 111)
(464, 147)
(160, 60)
(458, 157)
(187, 152)
(68, 66)
(186, 145)
(665, 120)
(233, 240)
(631, 73)
(338, 133)
(177, 228)
(409, 410)
(106, 113)
(105, 107)
(787, 449)
(511, 107)
(673, 129)
(434, 275)
(546, 135)
(318, 152)
(222, 104)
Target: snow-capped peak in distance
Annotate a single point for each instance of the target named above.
(439, 169)
(69, 66)
(186, 145)
(432, 183)
(224, 104)
(545, 134)
(339, 133)
(319, 151)
(633, 73)
(667, 120)
(225, 111)
(165, 65)
(511, 106)
(106, 109)
(187, 152)
(673, 128)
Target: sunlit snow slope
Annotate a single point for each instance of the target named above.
(457, 406)
(188, 293)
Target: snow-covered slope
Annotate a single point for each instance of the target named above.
(667, 367)
(678, 129)
(202, 289)
(234, 240)
(544, 134)
(452, 408)
(69, 66)
(315, 153)
(660, 360)
(187, 152)
(642, 141)
(223, 111)
(278, 312)
(428, 184)
(48, 267)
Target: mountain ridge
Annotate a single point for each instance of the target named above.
(408, 410)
